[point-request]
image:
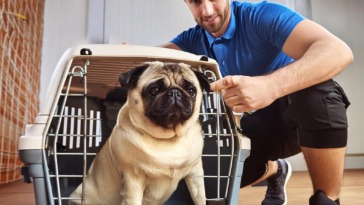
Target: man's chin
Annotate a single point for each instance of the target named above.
(212, 29)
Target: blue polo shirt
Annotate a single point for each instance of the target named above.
(252, 44)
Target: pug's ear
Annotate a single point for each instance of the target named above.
(130, 78)
(204, 82)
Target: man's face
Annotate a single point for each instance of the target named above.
(212, 15)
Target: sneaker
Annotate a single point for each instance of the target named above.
(276, 190)
(320, 198)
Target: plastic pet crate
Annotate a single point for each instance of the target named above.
(80, 111)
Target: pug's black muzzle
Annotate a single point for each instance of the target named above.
(171, 108)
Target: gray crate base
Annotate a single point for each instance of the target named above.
(39, 179)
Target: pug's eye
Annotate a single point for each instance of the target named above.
(154, 88)
(154, 91)
(192, 91)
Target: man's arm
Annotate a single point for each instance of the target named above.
(319, 56)
(170, 45)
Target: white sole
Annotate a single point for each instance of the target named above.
(285, 182)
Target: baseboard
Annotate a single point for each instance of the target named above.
(352, 161)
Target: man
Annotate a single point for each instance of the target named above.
(279, 65)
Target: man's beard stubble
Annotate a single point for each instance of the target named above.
(216, 28)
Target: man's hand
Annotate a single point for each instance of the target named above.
(243, 93)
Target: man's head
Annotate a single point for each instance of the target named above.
(212, 15)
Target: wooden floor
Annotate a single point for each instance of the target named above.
(298, 190)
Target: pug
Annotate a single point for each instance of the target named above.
(156, 142)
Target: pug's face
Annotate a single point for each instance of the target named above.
(167, 94)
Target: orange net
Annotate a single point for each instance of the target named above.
(21, 30)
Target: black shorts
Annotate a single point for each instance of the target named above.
(314, 117)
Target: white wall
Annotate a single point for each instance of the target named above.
(145, 22)
(68, 23)
(64, 26)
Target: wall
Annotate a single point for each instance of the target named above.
(145, 22)
(65, 25)
(21, 29)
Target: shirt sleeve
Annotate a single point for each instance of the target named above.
(187, 39)
(180, 40)
(274, 23)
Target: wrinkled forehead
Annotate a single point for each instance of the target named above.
(174, 72)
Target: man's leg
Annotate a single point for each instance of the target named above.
(269, 142)
(326, 168)
(271, 169)
(319, 115)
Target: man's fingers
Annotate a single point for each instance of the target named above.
(240, 108)
(224, 83)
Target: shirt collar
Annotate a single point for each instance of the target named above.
(229, 31)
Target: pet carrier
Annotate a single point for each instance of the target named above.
(80, 112)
